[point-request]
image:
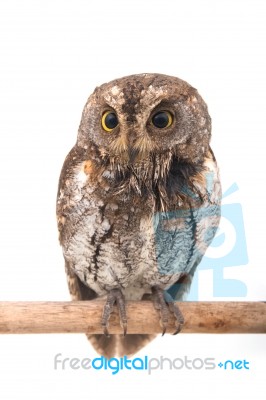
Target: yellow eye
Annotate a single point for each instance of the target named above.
(162, 119)
(109, 121)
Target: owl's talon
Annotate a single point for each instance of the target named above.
(177, 330)
(106, 332)
(114, 296)
(121, 304)
(163, 306)
(179, 317)
(125, 329)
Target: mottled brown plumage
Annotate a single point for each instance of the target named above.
(117, 190)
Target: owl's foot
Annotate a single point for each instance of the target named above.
(163, 306)
(114, 296)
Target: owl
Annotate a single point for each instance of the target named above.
(138, 200)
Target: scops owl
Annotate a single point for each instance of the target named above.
(138, 199)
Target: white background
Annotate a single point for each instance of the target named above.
(53, 54)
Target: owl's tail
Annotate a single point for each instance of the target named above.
(119, 345)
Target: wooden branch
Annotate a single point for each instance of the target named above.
(85, 317)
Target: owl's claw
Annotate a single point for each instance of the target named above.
(163, 306)
(124, 329)
(179, 317)
(106, 332)
(114, 296)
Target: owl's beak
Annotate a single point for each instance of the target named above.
(131, 148)
(133, 155)
(140, 148)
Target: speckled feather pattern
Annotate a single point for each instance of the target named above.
(138, 207)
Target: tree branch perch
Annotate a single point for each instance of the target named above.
(85, 317)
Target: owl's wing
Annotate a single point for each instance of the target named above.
(183, 236)
(67, 194)
(68, 200)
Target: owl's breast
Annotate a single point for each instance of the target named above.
(113, 242)
(112, 246)
(135, 249)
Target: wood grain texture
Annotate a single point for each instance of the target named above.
(85, 317)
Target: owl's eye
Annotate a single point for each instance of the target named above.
(162, 119)
(109, 121)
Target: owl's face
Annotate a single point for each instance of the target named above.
(131, 119)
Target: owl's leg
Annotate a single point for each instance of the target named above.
(114, 296)
(164, 306)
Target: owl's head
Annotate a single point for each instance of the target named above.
(129, 120)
